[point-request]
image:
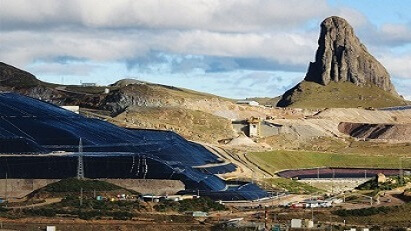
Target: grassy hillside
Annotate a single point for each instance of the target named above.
(394, 216)
(13, 77)
(72, 186)
(340, 95)
(371, 148)
(279, 160)
(168, 92)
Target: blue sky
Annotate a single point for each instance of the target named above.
(232, 48)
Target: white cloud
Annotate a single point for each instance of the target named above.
(398, 66)
(220, 15)
(23, 47)
(395, 34)
(355, 18)
(228, 15)
(126, 29)
(62, 69)
(183, 35)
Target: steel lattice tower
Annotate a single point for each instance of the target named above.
(80, 166)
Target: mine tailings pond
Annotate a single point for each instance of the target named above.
(339, 172)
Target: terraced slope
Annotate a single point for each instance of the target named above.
(192, 124)
(400, 132)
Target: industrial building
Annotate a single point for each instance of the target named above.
(39, 140)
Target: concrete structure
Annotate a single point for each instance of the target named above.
(106, 90)
(75, 109)
(254, 126)
(248, 102)
(51, 228)
(265, 128)
(296, 223)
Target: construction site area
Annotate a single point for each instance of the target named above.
(70, 169)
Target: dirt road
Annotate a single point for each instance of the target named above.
(48, 201)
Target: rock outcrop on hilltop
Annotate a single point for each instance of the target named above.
(14, 77)
(341, 57)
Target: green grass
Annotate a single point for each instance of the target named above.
(330, 144)
(274, 161)
(342, 95)
(169, 92)
(90, 209)
(374, 148)
(292, 186)
(73, 185)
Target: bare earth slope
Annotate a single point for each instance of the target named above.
(193, 125)
(399, 132)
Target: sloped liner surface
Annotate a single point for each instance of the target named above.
(41, 140)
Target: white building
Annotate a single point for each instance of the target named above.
(88, 84)
(248, 102)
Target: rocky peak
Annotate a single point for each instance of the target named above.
(341, 57)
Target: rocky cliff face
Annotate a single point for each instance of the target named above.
(341, 57)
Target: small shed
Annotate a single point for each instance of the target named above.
(254, 125)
